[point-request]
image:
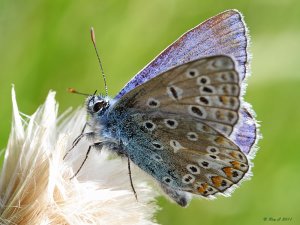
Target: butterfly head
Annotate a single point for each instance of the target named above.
(97, 104)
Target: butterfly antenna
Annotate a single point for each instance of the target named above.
(99, 60)
(74, 91)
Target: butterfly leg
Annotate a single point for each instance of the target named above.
(75, 142)
(131, 183)
(97, 145)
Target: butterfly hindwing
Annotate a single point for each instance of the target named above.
(185, 154)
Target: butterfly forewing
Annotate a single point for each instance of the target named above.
(181, 120)
(206, 89)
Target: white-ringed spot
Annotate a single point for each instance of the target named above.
(212, 150)
(193, 169)
(174, 92)
(188, 179)
(191, 73)
(171, 123)
(149, 125)
(153, 103)
(157, 145)
(203, 163)
(198, 111)
(201, 100)
(212, 156)
(192, 136)
(207, 89)
(203, 80)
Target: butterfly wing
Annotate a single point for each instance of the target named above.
(188, 156)
(245, 132)
(207, 89)
(173, 132)
(224, 34)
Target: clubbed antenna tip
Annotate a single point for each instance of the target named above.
(74, 91)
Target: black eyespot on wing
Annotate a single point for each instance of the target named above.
(170, 122)
(203, 80)
(235, 174)
(197, 111)
(223, 183)
(213, 150)
(153, 103)
(208, 90)
(204, 100)
(188, 178)
(192, 73)
(193, 169)
(205, 164)
(149, 125)
(213, 156)
(174, 92)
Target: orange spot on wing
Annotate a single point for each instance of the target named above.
(235, 164)
(202, 188)
(217, 180)
(228, 171)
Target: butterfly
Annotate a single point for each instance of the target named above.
(182, 118)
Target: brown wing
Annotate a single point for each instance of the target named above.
(184, 116)
(203, 160)
(207, 89)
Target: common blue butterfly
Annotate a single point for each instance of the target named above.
(182, 118)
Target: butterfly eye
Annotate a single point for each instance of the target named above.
(98, 106)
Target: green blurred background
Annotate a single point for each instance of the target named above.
(46, 45)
